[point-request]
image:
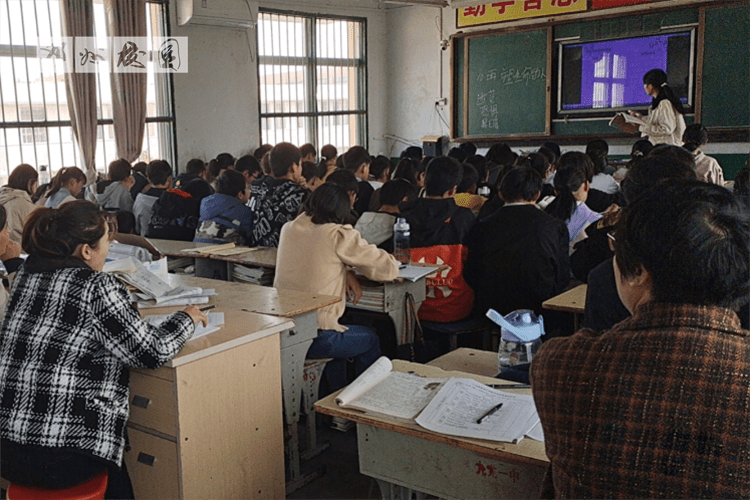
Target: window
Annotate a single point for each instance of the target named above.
(35, 125)
(312, 76)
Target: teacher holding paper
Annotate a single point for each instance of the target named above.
(664, 123)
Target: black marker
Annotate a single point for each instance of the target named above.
(489, 412)
(207, 308)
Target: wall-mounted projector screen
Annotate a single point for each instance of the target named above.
(608, 74)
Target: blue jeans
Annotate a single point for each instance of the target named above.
(358, 342)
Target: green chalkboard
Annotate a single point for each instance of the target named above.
(507, 84)
(726, 67)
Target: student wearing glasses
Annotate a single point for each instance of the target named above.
(69, 337)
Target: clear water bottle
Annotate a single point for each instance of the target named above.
(520, 337)
(401, 241)
(43, 175)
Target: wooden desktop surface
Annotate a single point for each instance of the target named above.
(527, 451)
(574, 301)
(256, 298)
(239, 328)
(174, 248)
(256, 256)
(468, 360)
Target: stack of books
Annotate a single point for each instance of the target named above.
(253, 275)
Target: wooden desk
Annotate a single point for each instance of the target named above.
(174, 248)
(468, 360)
(197, 424)
(404, 457)
(573, 301)
(294, 341)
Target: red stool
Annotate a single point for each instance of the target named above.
(93, 489)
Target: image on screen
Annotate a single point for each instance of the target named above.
(609, 74)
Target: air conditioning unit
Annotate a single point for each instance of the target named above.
(225, 13)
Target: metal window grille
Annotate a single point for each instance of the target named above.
(312, 75)
(35, 125)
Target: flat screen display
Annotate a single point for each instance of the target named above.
(608, 74)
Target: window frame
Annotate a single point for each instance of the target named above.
(311, 63)
(30, 131)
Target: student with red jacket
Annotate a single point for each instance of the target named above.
(439, 231)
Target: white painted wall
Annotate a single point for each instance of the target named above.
(217, 101)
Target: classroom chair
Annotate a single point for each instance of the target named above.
(471, 325)
(93, 489)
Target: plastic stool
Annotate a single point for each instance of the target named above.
(93, 489)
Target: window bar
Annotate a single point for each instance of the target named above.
(2, 113)
(15, 87)
(28, 86)
(44, 94)
(57, 92)
(273, 20)
(292, 96)
(311, 124)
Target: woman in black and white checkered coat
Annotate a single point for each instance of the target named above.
(68, 338)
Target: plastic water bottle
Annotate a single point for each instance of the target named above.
(401, 241)
(520, 337)
(43, 175)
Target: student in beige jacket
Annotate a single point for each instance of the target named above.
(315, 253)
(16, 198)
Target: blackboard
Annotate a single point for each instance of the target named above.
(726, 67)
(506, 82)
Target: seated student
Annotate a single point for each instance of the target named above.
(114, 194)
(315, 251)
(707, 168)
(262, 151)
(195, 169)
(249, 167)
(66, 185)
(640, 149)
(65, 355)
(311, 176)
(467, 196)
(439, 230)
(380, 173)
(224, 216)
(329, 154)
(16, 198)
(495, 201)
(357, 159)
(517, 257)
(603, 307)
(597, 151)
(657, 407)
(140, 177)
(160, 177)
(308, 152)
(346, 179)
(572, 189)
(176, 214)
(276, 199)
(377, 227)
(10, 255)
(125, 222)
(540, 163)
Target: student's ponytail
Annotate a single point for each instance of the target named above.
(658, 79)
(63, 176)
(572, 171)
(695, 136)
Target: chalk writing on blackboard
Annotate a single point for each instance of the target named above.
(511, 76)
(488, 109)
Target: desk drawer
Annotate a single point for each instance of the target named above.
(305, 328)
(153, 466)
(153, 403)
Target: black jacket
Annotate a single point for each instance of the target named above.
(175, 216)
(518, 258)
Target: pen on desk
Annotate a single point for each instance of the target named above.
(207, 308)
(489, 412)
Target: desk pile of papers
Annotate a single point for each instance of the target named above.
(449, 406)
(254, 275)
(150, 290)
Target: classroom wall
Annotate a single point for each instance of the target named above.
(216, 103)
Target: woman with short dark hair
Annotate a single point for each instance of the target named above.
(315, 251)
(69, 337)
(658, 406)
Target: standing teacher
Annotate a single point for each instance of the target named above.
(664, 123)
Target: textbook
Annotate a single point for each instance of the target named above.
(628, 119)
(215, 322)
(452, 406)
(209, 249)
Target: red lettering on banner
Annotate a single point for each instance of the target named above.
(501, 6)
(563, 3)
(532, 5)
(477, 11)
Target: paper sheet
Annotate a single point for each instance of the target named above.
(628, 119)
(146, 281)
(215, 321)
(413, 273)
(458, 405)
